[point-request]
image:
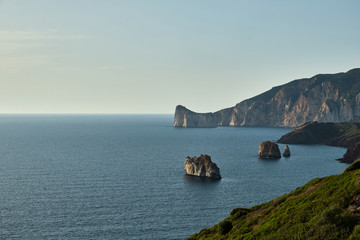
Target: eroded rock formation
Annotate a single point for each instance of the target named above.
(269, 149)
(322, 98)
(202, 167)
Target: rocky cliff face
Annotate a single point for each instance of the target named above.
(186, 118)
(322, 98)
(202, 167)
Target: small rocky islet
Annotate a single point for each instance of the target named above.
(201, 166)
(269, 149)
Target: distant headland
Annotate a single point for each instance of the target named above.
(345, 134)
(322, 98)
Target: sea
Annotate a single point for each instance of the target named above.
(122, 176)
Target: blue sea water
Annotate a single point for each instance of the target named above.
(122, 176)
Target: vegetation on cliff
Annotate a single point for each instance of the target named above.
(324, 208)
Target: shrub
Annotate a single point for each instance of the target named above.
(277, 201)
(326, 231)
(341, 218)
(224, 227)
(239, 212)
(331, 215)
(354, 166)
(355, 235)
(348, 220)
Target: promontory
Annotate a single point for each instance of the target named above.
(322, 98)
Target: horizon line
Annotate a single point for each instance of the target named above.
(65, 113)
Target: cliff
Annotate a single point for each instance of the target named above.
(324, 208)
(186, 118)
(323, 98)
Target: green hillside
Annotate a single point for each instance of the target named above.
(324, 208)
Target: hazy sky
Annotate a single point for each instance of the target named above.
(103, 56)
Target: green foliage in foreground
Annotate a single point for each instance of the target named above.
(324, 208)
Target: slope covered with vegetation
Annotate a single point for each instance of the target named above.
(324, 208)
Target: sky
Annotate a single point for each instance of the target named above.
(104, 56)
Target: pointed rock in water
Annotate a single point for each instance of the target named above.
(286, 152)
(202, 167)
(269, 149)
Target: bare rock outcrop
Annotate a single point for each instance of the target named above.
(202, 167)
(269, 149)
(286, 152)
(352, 153)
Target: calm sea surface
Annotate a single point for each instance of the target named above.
(122, 176)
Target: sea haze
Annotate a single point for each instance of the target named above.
(122, 176)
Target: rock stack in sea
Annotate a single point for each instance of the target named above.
(286, 152)
(202, 167)
(269, 149)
